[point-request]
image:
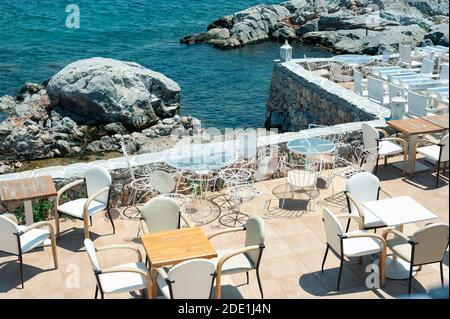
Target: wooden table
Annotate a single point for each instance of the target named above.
(27, 190)
(413, 128)
(439, 120)
(175, 246)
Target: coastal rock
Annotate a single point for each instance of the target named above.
(103, 90)
(438, 34)
(284, 33)
(309, 26)
(116, 128)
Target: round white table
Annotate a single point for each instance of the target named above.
(311, 146)
(353, 59)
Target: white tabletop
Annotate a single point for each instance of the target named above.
(399, 210)
(311, 146)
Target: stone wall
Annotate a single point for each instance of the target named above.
(299, 97)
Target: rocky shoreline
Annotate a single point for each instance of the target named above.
(343, 26)
(90, 107)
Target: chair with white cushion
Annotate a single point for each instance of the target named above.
(121, 278)
(357, 243)
(241, 260)
(360, 188)
(17, 239)
(375, 89)
(426, 246)
(191, 279)
(405, 57)
(438, 152)
(161, 214)
(387, 146)
(98, 188)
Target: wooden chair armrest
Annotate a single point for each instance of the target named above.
(396, 233)
(358, 219)
(121, 246)
(66, 188)
(39, 225)
(386, 192)
(144, 227)
(186, 220)
(90, 199)
(424, 141)
(382, 131)
(223, 259)
(224, 231)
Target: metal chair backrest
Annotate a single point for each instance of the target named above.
(417, 104)
(375, 89)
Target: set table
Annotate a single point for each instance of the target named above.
(413, 128)
(395, 212)
(173, 247)
(26, 190)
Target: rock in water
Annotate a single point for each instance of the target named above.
(102, 91)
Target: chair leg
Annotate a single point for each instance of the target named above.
(96, 292)
(112, 222)
(248, 279)
(90, 221)
(259, 283)
(325, 256)
(442, 273)
(348, 225)
(21, 268)
(438, 166)
(410, 278)
(54, 251)
(376, 165)
(385, 161)
(340, 273)
(56, 215)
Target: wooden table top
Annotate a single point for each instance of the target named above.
(414, 126)
(27, 189)
(439, 120)
(175, 246)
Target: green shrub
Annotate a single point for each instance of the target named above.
(42, 210)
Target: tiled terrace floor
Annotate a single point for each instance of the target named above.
(290, 266)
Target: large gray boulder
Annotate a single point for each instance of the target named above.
(438, 34)
(102, 91)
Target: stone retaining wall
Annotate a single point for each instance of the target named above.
(299, 97)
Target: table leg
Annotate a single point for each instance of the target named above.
(28, 207)
(153, 293)
(418, 168)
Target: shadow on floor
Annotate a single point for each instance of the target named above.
(10, 274)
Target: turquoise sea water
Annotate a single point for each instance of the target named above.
(222, 88)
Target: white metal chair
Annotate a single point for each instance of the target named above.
(386, 146)
(191, 279)
(161, 214)
(241, 260)
(394, 91)
(98, 187)
(17, 239)
(120, 278)
(357, 243)
(438, 152)
(443, 75)
(360, 188)
(405, 57)
(375, 89)
(426, 246)
(300, 178)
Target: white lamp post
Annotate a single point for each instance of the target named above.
(286, 52)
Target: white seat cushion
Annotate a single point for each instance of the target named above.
(123, 281)
(389, 148)
(236, 264)
(431, 151)
(75, 208)
(36, 237)
(355, 247)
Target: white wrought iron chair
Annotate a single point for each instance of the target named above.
(360, 188)
(386, 146)
(121, 278)
(360, 84)
(438, 152)
(357, 243)
(406, 58)
(241, 260)
(418, 105)
(98, 188)
(191, 279)
(426, 246)
(375, 90)
(18, 239)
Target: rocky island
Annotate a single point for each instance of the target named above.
(89, 107)
(343, 26)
